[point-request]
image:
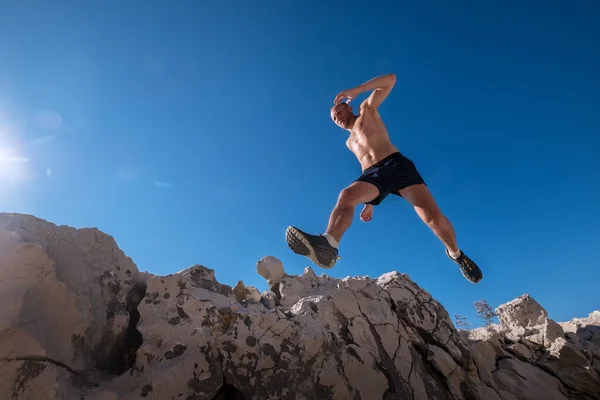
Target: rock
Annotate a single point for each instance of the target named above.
(484, 367)
(590, 348)
(309, 276)
(268, 299)
(69, 308)
(80, 321)
(441, 360)
(291, 289)
(484, 333)
(527, 382)
(523, 312)
(567, 353)
(517, 333)
(270, 268)
(544, 334)
(572, 367)
(552, 332)
(545, 359)
(246, 294)
(253, 296)
(593, 320)
(444, 363)
(481, 391)
(587, 330)
(504, 395)
(525, 320)
(521, 351)
(239, 291)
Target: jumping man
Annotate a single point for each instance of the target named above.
(384, 171)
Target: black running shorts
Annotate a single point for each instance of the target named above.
(393, 173)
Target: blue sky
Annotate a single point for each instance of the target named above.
(196, 132)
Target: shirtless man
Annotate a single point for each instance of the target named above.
(384, 171)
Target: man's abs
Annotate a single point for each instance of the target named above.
(370, 149)
(369, 140)
(375, 155)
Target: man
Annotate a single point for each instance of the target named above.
(384, 171)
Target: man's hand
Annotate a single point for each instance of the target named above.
(349, 94)
(367, 213)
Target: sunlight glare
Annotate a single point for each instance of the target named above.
(12, 167)
(13, 164)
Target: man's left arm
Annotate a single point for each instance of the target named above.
(381, 87)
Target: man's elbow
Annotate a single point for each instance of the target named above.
(389, 80)
(392, 79)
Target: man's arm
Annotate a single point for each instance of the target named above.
(381, 87)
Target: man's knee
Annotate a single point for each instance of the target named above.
(349, 197)
(433, 218)
(353, 195)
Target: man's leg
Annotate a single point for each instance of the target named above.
(427, 209)
(322, 249)
(422, 200)
(341, 217)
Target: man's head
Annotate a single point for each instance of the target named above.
(342, 115)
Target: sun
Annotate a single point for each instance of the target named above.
(12, 165)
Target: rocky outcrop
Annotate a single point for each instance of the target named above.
(80, 321)
(537, 357)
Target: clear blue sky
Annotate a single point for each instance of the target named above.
(196, 132)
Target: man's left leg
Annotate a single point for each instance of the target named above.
(422, 200)
(427, 209)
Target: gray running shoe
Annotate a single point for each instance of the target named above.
(315, 247)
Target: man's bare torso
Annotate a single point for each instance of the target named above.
(369, 139)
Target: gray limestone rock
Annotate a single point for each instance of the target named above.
(270, 268)
(522, 312)
(80, 321)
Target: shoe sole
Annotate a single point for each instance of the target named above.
(300, 245)
(467, 278)
(472, 280)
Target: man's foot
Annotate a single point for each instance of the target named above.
(315, 247)
(469, 269)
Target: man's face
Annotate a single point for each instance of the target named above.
(342, 115)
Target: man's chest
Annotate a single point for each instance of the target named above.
(358, 138)
(365, 128)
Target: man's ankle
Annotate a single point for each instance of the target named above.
(332, 241)
(454, 254)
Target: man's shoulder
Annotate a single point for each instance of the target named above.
(366, 108)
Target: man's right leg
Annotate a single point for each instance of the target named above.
(321, 249)
(341, 217)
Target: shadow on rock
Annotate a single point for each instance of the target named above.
(122, 354)
(228, 392)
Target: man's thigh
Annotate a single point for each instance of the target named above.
(422, 200)
(361, 191)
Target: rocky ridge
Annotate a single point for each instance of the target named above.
(80, 321)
